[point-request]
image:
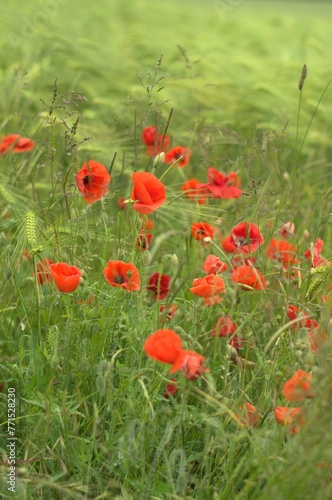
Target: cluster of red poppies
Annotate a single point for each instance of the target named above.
(238, 248)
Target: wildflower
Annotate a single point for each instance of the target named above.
(178, 154)
(66, 277)
(314, 254)
(220, 185)
(171, 388)
(190, 363)
(155, 142)
(224, 327)
(246, 237)
(93, 181)
(192, 190)
(122, 274)
(213, 265)
(210, 287)
(287, 229)
(44, 275)
(166, 346)
(163, 345)
(249, 278)
(290, 417)
(298, 387)
(202, 231)
(16, 144)
(148, 193)
(293, 312)
(168, 311)
(248, 415)
(160, 285)
(282, 251)
(228, 245)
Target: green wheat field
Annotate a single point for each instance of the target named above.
(87, 409)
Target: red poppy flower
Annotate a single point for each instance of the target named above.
(291, 417)
(287, 229)
(171, 388)
(192, 191)
(202, 231)
(149, 193)
(163, 345)
(294, 312)
(213, 265)
(66, 277)
(160, 285)
(16, 144)
(298, 387)
(314, 254)
(248, 415)
(44, 275)
(282, 251)
(228, 245)
(249, 277)
(93, 181)
(179, 153)
(168, 312)
(155, 142)
(224, 327)
(210, 287)
(220, 185)
(190, 363)
(121, 274)
(246, 237)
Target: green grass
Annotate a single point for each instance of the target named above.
(92, 421)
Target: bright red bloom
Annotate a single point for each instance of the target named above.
(160, 285)
(171, 388)
(192, 190)
(149, 193)
(66, 277)
(291, 417)
(246, 237)
(93, 181)
(44, 275)
(287, 229)
(179, 153)
(314, 254)
(155, 142)
(298, 387)
(16, 144)
(249, 277)
(228, 245)
(282, 251)
(213, 265)
(202, 230)
(224, 327)
(248, 415)
(190, 363)
(163, 345)
(210, 287)
(122, 274)
(294, 312)
(220, 185)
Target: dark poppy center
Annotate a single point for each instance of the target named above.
(87, 180)
(118, 279)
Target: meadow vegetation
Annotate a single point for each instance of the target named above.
(96, 416)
